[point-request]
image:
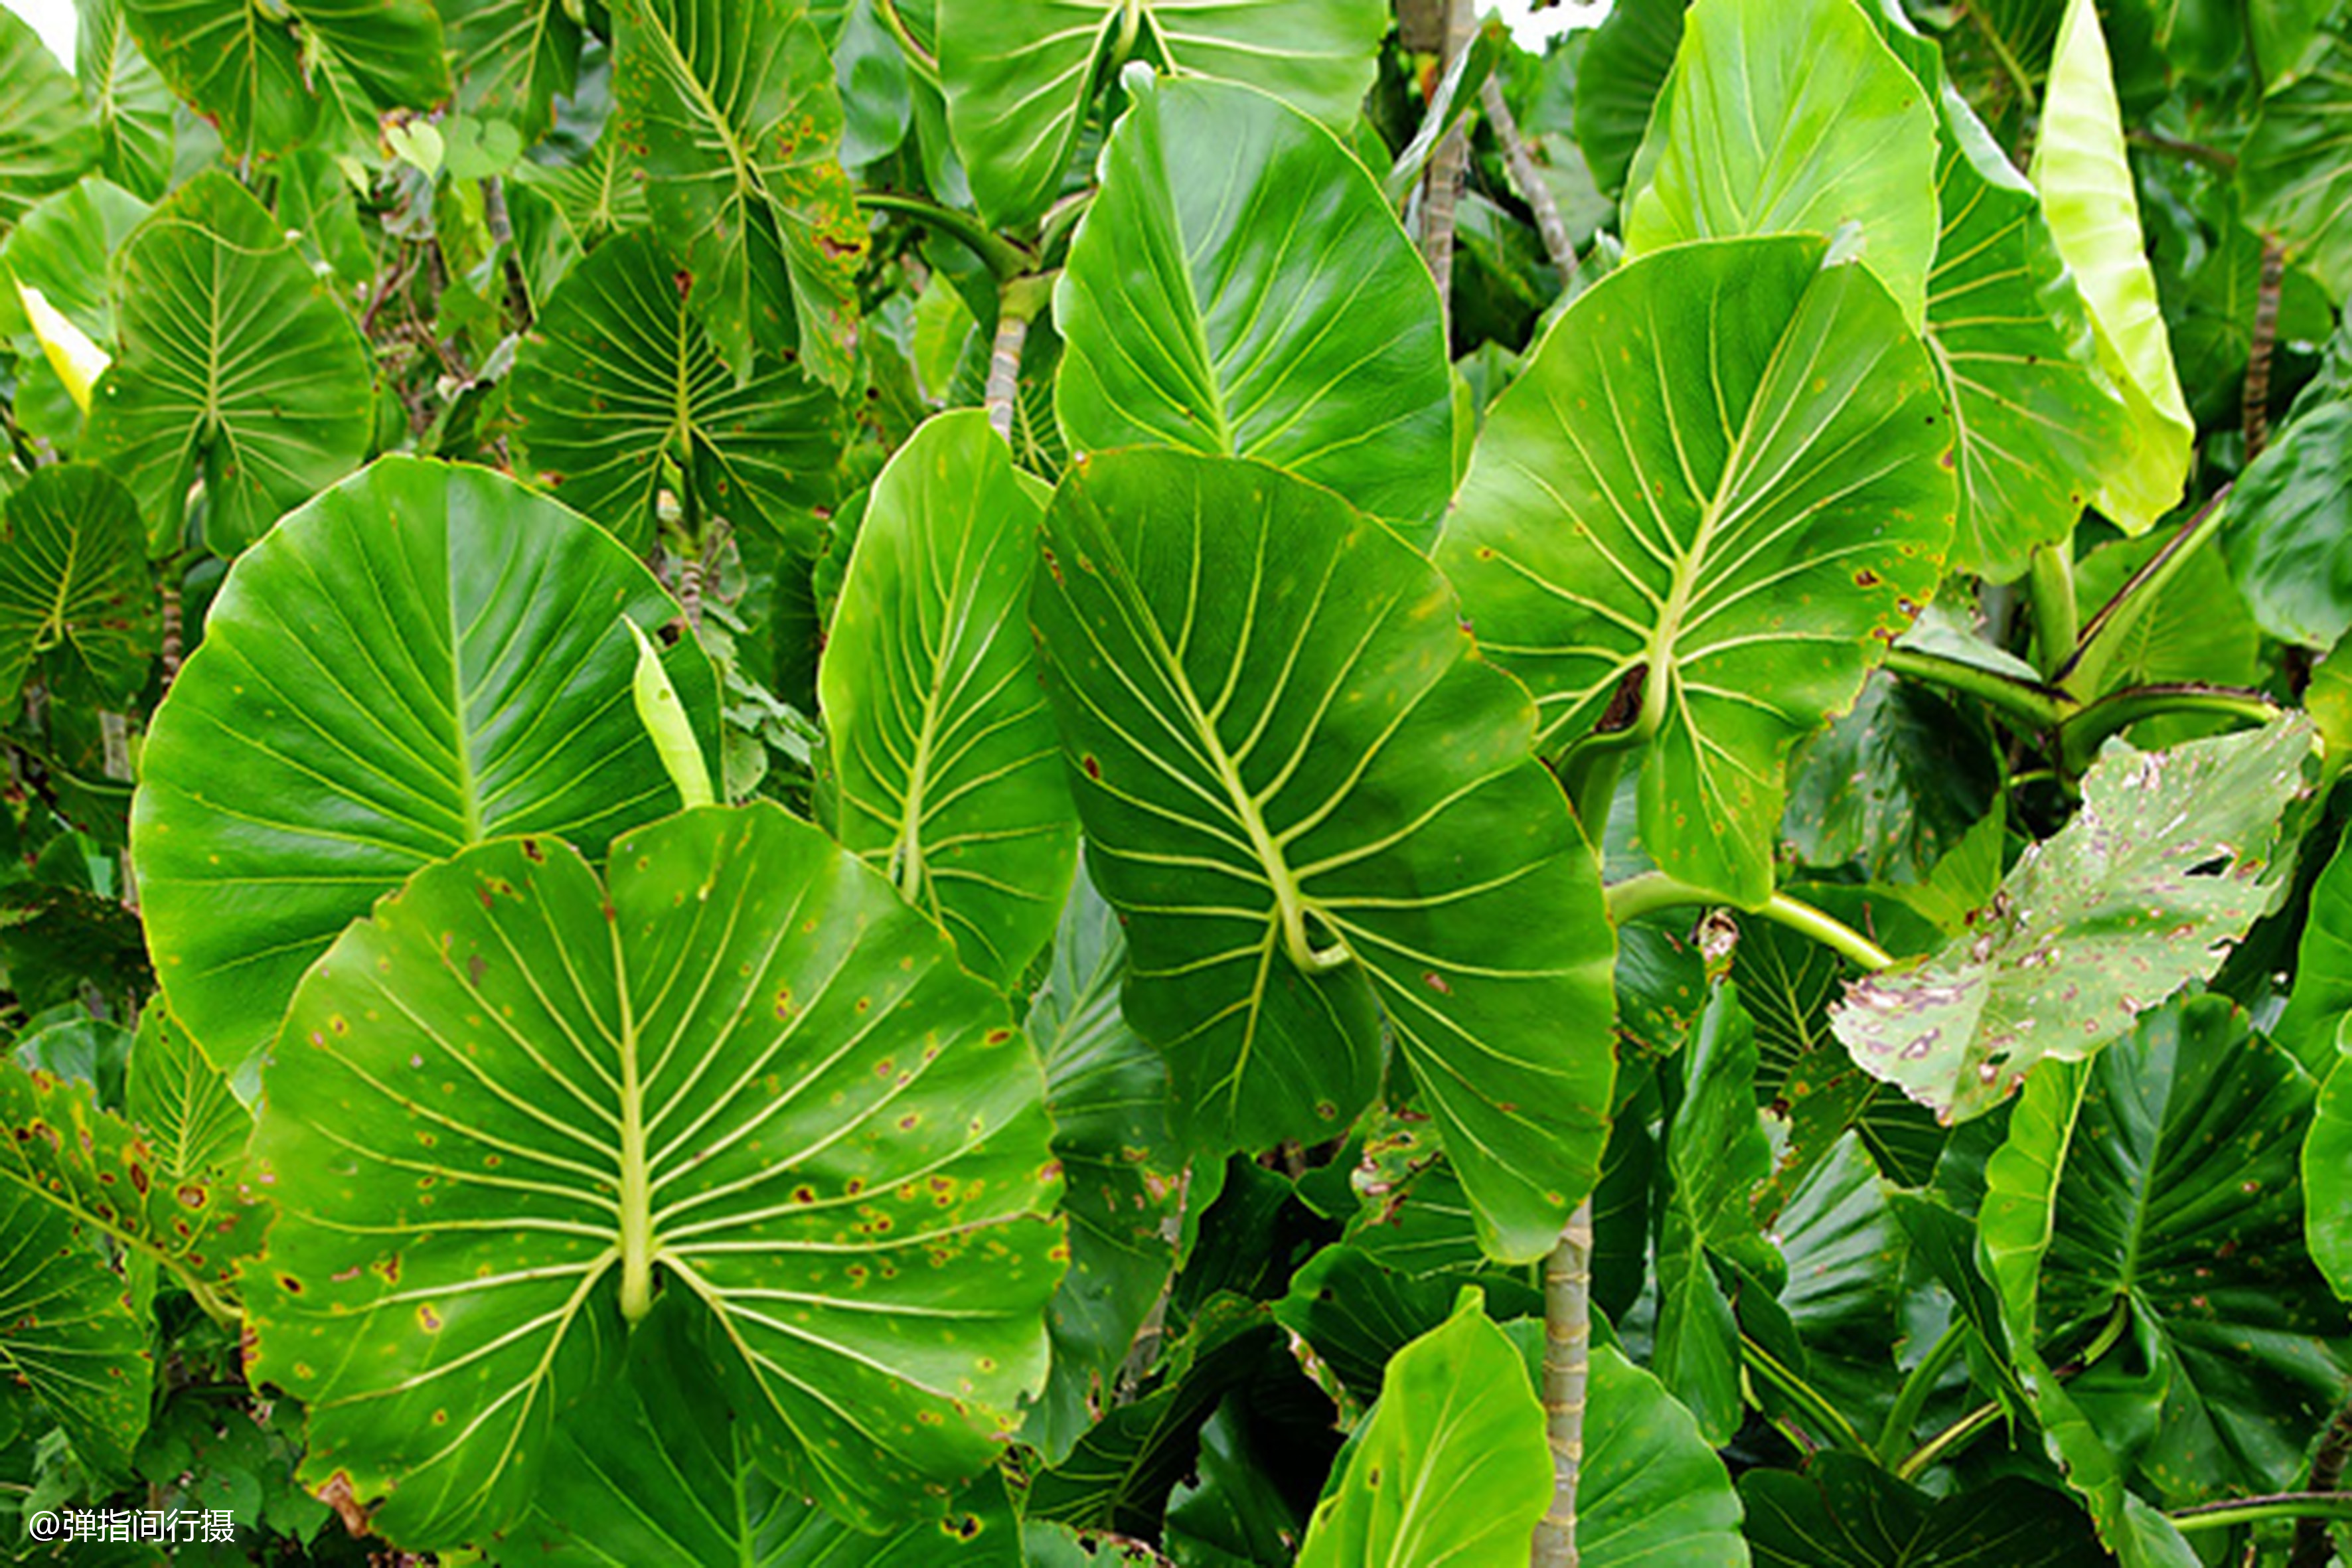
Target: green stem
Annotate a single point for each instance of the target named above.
(2036, 706)
(1003, 258)
(1944, 1442)
(1810, 1401)
(2057, 621)
(1591, 784)
(1654, 891)
(2254, 1510)
(2121, 611)
(1916, 1389)
(918, 60)
(2081, 735)
(2001, 52)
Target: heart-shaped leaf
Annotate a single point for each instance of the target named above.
(127, 99)
(76, 604)
(1846, 1512)
(421, 658)
(1240, 289)
(2170, 859)
(618, 385)
(950, 778)
(1790, 117)
(1452, 1466)
(1317, 808)
(235, 368)
(514, 59)
(1651, 1488)
(2296, 169)
(731, 110)
(737, 1082)
(46, 140)
(2094, 210)
(1019, 78)
(1721, 554)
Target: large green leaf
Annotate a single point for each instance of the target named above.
(127, 99)
(1718, 485)
(1617, 80)
(1895, 784)
(2159, 1182)
(1317, 807)
(2094, 212)
(1846, 1512)
(514, 59)
(2171, 857)
(1790, 117)
(2327, 1180)
(949, 774)
(2195, 629)
(2286, 527)
(421, 658)
(254, 65)
(45, 141)
(1123, 1174)
(1240, 289)
(237, 368)
(652, 1469)
(181, 1103)
(76, 604)
(68, 1332)
(736, 1083)
(1233, 1514)
(619, 397)
(2296, 169)
(1650, 1489)
(1452, 1468)
(730, 109)
(1019, 77)
(62, 249)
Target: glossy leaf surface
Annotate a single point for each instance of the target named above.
(1314, 804)
(2287, 526)
(45, 143)
(789, 1123)
(1845, 1513)
(1651, 1488)
(75, 606)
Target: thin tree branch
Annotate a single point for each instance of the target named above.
(2256, 403)
(1442, 186)
(2312, 1547)
(1567, 1371)
(1529, 177)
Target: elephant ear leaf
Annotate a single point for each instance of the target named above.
(1708, 562)
(45, 141)
(76, 604)
(950, 772)
(734, 1090)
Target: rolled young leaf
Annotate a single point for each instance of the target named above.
(733, 1090)
(1719, 486)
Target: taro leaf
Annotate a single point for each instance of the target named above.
(66, 1042)
(1018, 78)
(948, 769)
(618, 384)
(514, 59)
(1312, 801)
(2312, 1026)
(1241, 289)
(730, 110)
(600, 195)
(46, 140)
(1233, 1515)
(1844, 1295)
(2210, 307)
(2160, 1181)
(2168, 864)
(1734, 546)
(2195, 629)
(1451, 1467)
(2296, 169)
(1846, 1512)
(2327, 1180)
(1790, 117)
(126, 99)
(652, 1469)
(68, 1331)
(1624, 65)
(76, 604)
(2012, 341)
(1123, 1176)
(421, 658)
(250, 67)
(739, 1075)
(181, 1102)
(1895, 785)
(62, 249)
(1358, 1314)
(1423, 1224)
(2287, 529)
(236, 367)
(2087, 191)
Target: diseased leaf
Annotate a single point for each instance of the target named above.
(1018, 78)
(793, 1127)
(1729, 548)
(1452, 1467)
(2327, 1180)
(949, 771)
(236, 369)
(2086, 189)
(1239, 288)
(728, 107)
(1790, 117)
(421, 658)
(68, 1332)
(76, 604)
(2172, 856)
(1317, 809)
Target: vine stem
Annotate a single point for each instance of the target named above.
(1567, 1372)
(2255, 405)
(2057, 621)
(174, 641)
(2308, 1508)
(1529, 178)
(1654, 891)
(1441, 185)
